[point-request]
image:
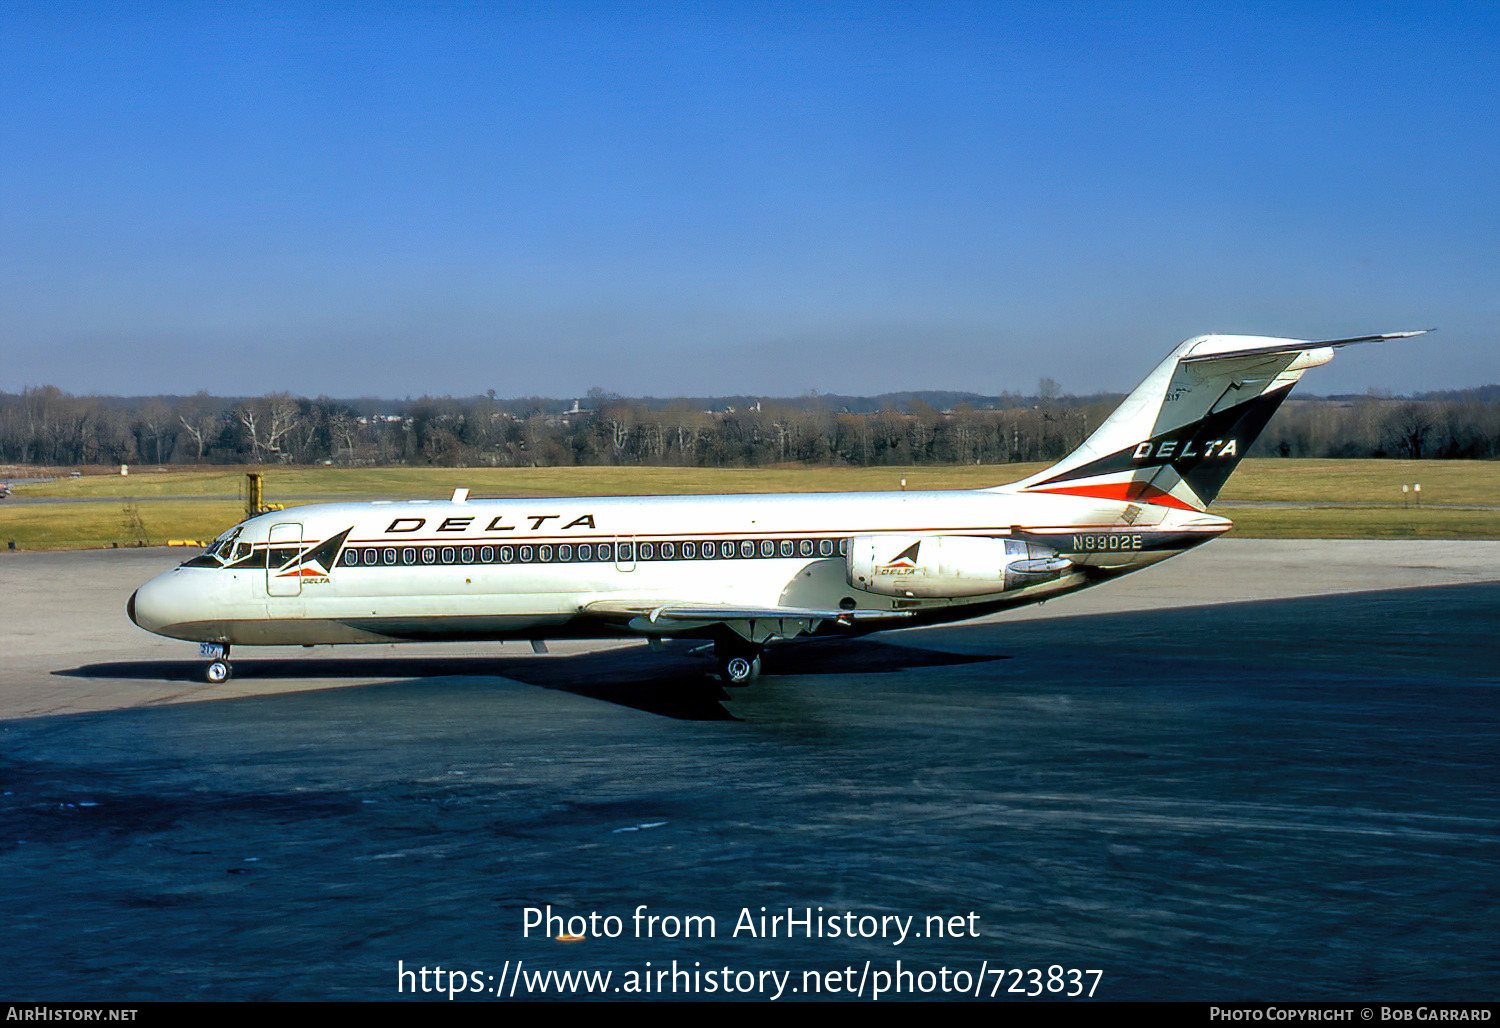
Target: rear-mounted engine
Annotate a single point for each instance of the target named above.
(948, 566)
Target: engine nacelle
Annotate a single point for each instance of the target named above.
(947, 566)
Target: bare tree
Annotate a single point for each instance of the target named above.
(1409, 429)
(341, 431)
(154, 417)
(619, 422)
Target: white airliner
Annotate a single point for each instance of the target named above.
(743, 570)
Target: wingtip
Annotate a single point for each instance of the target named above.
(1382, 337)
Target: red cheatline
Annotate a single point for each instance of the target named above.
(1134, 492)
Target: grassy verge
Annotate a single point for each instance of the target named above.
(75, 526)
(1361, 523)
(200, 503)
(382, 483)
(1365, 481)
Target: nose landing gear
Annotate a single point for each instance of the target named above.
(218, 670)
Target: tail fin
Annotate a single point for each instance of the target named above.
(1176, 439)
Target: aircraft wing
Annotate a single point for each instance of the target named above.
(656, 609)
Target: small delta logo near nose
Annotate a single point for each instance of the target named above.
(314, 564)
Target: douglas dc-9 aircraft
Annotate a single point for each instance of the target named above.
(743, 570)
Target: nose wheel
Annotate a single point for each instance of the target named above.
(218, 669)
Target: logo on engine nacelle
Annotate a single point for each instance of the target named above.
(903, 563)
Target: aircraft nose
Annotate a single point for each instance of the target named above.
(164, 605)
(144, 606)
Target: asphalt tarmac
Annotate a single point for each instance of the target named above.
(1265, 770)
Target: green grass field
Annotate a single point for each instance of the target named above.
(392, 483)
(200, 503)
(75, 526)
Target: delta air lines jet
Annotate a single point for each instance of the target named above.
(741, 571)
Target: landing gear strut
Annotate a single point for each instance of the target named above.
(739, 661)
(218, 670)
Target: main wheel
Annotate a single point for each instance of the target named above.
(217, 672)
(740, 670)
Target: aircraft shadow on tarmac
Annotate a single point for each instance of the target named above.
(673, 683)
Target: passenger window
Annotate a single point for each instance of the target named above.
(486, 554)
(390, 556)
(544, 554)
(565, 552)
(428, 555)
(843, 547)
(585, 551)
(806, 547)
(408, 555)
(689, 550)
(825, 547)
(506, 553)
(447, 555)
(466, 555)
(526, 555)
(646, 551)
(668, 551)
(726, 549)
(747, 548)
(767, 548)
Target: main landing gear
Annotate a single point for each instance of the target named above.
(739, 661)
(218, 670)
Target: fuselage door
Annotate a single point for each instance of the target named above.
(285, 544)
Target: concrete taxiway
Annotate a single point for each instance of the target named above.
(1262, 770)
(66, 611)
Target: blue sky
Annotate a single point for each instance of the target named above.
(391, 199)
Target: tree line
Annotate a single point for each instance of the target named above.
(46, 426)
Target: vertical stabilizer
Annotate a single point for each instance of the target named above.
(1177, 437)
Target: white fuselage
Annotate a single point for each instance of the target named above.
(522, 568)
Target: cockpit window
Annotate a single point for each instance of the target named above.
(219, 552)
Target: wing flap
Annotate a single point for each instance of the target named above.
(658, 609)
